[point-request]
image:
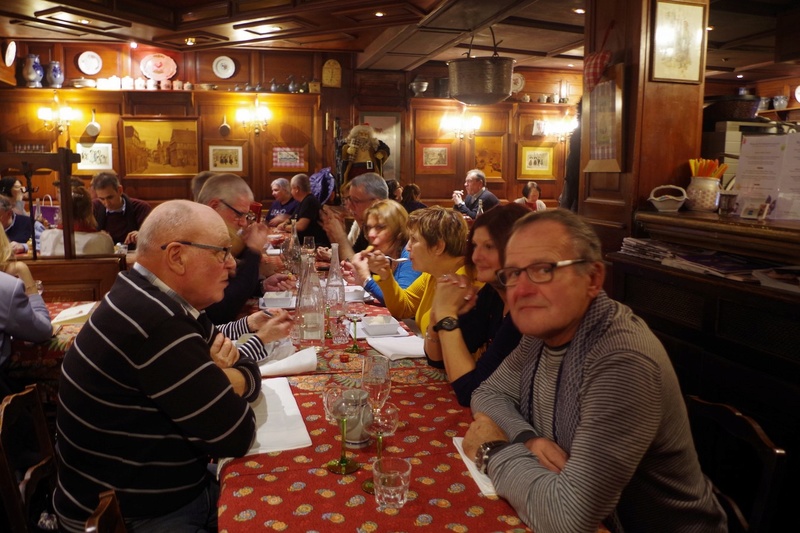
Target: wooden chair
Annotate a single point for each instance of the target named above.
(727, 442)
(107, 517)
(27, 461)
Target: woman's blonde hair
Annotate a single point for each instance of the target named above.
(436, 224)
(394, 216)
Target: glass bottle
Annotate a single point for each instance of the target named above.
(310, 302)
(335, 297)
(479, 212)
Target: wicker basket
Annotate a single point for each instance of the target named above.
(724, 108)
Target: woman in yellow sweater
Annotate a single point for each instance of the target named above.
(436, 246)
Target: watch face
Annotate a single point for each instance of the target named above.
(448, 323)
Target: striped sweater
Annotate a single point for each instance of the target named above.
(632, 449)
(142, 407)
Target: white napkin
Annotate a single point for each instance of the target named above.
(485, 484)
(361, 334)
(398, 347)
(281, 363)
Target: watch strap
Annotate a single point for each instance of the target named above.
(485, 452)
(448, 323)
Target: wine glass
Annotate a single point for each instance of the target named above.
(384, 423)
(354, 315)
(375, 379)
(309, 247)
(339, 406)
(39, 286)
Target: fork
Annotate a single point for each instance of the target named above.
(398, 260)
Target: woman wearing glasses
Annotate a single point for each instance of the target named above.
(483, 333)
(437, 239)
(386, 229)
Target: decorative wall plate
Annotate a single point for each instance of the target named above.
(797, 93)
(10, 54)
(517, 82)
(223, 67)
(158, 67)
(90, 63)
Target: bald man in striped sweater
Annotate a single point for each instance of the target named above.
(584, 422)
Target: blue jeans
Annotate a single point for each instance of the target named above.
(198, 516)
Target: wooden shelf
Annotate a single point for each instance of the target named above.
(777, 113)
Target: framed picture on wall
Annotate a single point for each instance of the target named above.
(679, 42)
(159, 146)
(288, 159)
(434, 157)
(95, 156)
(536, 160)
(387, 129)
(487, 150)
(226, 156)
(604, 106)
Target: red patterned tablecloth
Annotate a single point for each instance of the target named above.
(292, 490)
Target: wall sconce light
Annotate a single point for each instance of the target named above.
(461, 126)
(256, 118)
(562, 128)
(56, 117)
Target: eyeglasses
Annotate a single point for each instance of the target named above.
(356, 201)
(224, 250)
(238, 214)
(537, 272)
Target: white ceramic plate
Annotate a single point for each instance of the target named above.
(11, 53)
(517, 82)
(158, 67)
(797, 93)
(223, 67)
(90, 63)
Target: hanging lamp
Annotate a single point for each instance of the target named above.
(481, 80)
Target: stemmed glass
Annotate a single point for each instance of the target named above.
(339, 406)
(309, 247)
(354, 315)
(384, 423)
(375, 379)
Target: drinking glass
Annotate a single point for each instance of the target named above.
(384, 423)
(309, 248)
(354, 315)
(39, 286)
(375, 379)
(392, 476)
(339, 406)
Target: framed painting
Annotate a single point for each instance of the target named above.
(604, 107)
(434, 157)
(289, 158)
(679, 42)
(388, 129)
(536, 160)
(95, 156)
(226, 156)
(487, 150)
(159, 146)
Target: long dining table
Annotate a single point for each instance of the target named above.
(292, 490)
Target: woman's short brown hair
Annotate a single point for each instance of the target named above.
(436, 224)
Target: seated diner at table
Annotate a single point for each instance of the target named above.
(17, 227)
(530, 197)
(386, 229)
(151, 390)
(23, 314)
(284, 205)
(307, 215)
(88, 239)
(485, 333)
(437, 240)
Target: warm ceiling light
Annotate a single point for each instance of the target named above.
(578, 10)
(709, 28)
(134, 44)
(739, 76)
(84, 21)
(570, 65)
(189, 41)
(379, 14)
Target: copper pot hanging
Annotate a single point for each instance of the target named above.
(481, 80)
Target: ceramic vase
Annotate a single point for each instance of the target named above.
(55, 75)
(703, 194)
(32, 71)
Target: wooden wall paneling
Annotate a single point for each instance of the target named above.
(204, 65)
(115, 58)
(159, 103)
(426, 115)
(495, 126)
(141, 53)
(158, 190)
(280, 65)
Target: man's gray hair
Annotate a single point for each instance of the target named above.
(226, 187)
(302, 182)
(282, 183)
(477, 173)
(373, 184)
(5, 204)
(584, 239)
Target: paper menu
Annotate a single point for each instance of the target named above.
(278, 419)
(769, 177)
(485, 484)
(77, 314)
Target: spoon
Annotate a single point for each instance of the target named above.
(398, 260)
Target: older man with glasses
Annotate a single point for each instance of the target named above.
(364, 191)
(584, 422)
(230, 196)
(153, 389)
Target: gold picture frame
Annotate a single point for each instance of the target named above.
(434, 156)
(679, 42)
(159, 146)
(536, 160)
(488, 154)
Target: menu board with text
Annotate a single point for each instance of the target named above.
(768, 179)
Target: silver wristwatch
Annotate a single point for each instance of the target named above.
(482, 457)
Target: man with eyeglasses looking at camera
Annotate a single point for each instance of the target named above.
(584, 422)
(231, 196)
(364, 191)
(151, 390)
